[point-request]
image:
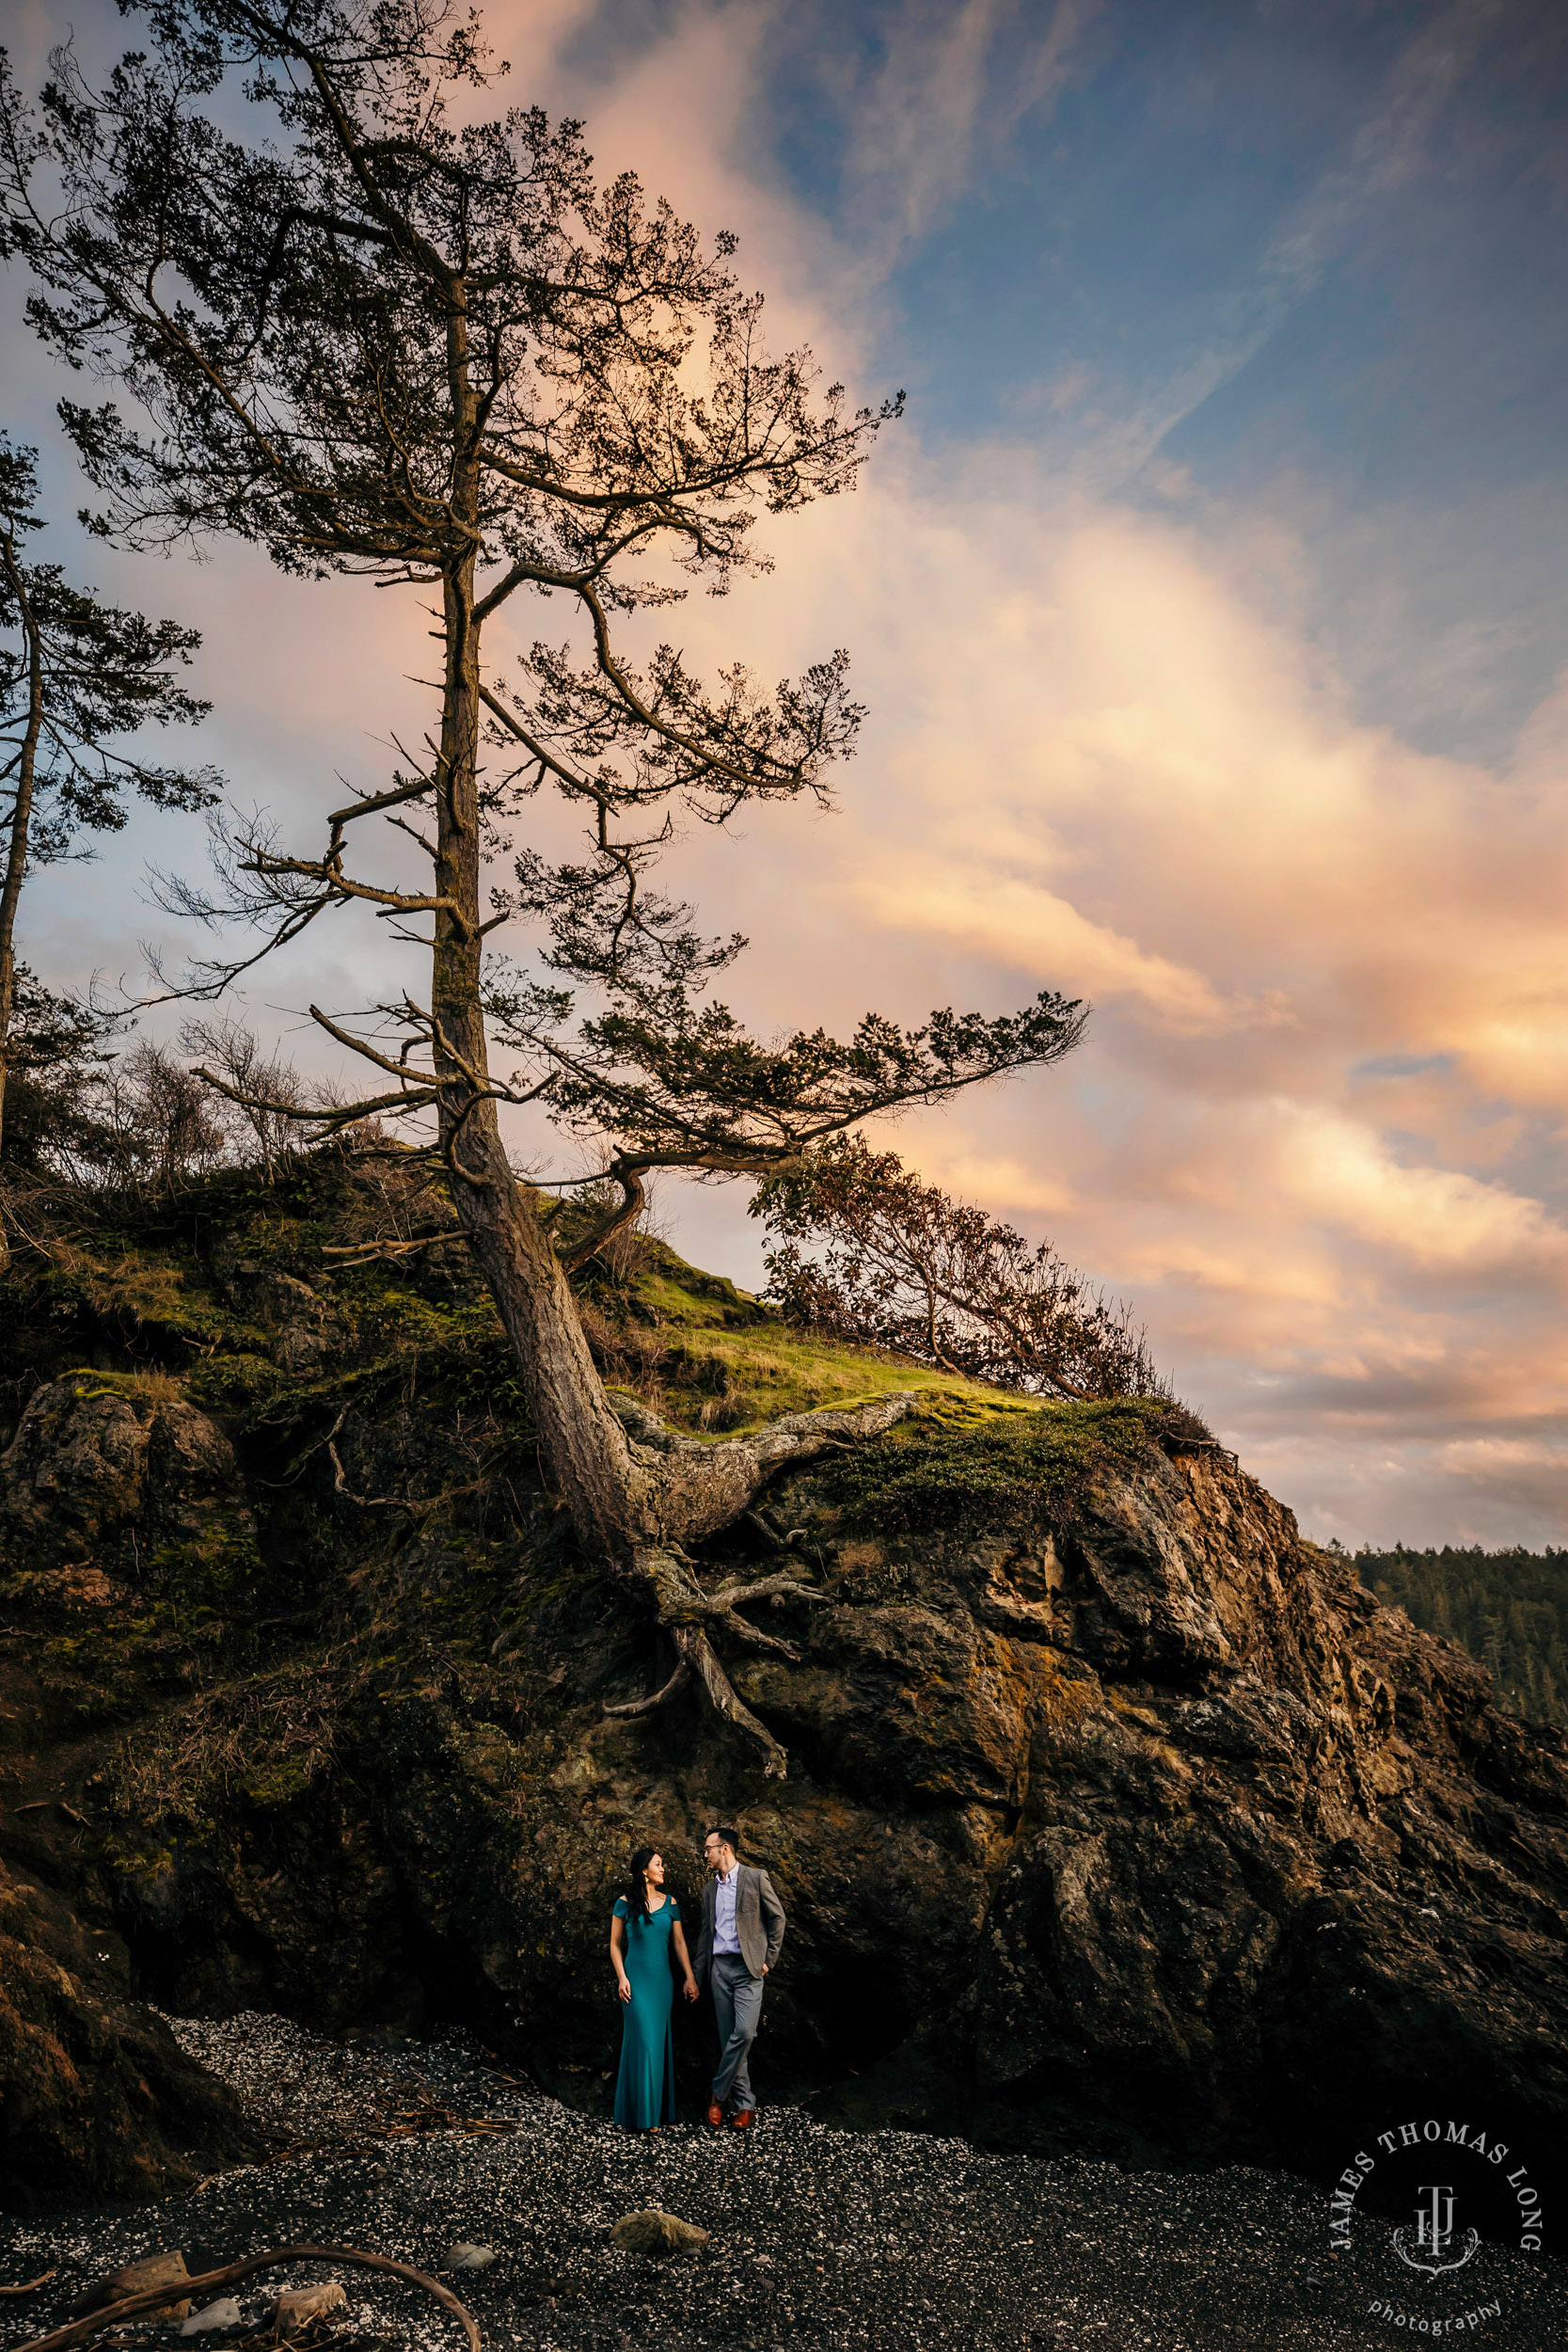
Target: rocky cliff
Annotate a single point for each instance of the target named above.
(1118, 1816)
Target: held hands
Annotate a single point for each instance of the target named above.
(624, 1988)
(691, 1988)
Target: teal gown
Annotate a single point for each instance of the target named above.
(645, 2090)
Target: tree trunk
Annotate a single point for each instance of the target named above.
(633, 1488)
(590, 1453)
(21, 813)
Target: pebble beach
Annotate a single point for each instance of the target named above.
(817, 2237)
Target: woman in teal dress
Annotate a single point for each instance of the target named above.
(645, 1934)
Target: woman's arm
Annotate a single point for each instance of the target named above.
(617, 1945)
(678, 1936)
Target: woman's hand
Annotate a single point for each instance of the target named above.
(691, 1988)
(625, 1988)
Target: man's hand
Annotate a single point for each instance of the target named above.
(764, 1967)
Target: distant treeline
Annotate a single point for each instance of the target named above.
(1509, 1610)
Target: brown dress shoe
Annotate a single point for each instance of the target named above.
(715, 2113)
(741, 2121)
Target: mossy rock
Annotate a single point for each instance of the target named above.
(965, 1468)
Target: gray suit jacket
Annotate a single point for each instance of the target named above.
(754, 1901)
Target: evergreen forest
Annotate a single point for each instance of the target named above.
(1508, 1609)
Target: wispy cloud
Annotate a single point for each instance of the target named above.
(1109, 434)
(936, 101)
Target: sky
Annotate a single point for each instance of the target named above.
(1212, 606)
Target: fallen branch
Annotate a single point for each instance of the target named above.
(366, 1252)
(29, 2286)
(341, 1484)
(60, 2338)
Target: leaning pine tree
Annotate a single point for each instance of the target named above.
(383, 344)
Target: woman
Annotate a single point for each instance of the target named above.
(644, 1929)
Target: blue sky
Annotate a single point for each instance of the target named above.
(1210, 606)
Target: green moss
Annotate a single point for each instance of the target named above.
(968, 1467)
(139, 1388)
(225, 1384)
(718, 1363)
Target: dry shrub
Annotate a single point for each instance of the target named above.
(270, 1738)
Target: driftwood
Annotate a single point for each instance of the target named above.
(60, 2338)
(29, 2286)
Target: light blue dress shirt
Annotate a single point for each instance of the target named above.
(724, 1937)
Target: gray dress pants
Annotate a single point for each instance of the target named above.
(738, 2003)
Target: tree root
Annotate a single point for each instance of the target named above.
(698, 1651)
(655, 1699)
(687, 1488)
(687, 1611)
(699, 1488)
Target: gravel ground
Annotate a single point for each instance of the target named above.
(819, 2238)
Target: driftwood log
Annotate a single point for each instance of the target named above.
(133, 2306)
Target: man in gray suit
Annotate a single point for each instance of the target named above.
(735, 1949)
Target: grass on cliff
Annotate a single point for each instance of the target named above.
(719, 1362)
(175, 1295)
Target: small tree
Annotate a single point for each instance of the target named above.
(862, 1249)
(269, 1099)
(77, 679)
(159, 1126)
(57, 1055)
(448, 357)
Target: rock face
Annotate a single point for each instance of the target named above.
(1131, 1824)
(96, 2099)
(95, 1459)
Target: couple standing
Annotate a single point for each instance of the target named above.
(742, 1928)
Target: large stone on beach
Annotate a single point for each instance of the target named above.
(656, 2232)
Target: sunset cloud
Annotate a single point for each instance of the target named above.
(1143, 701)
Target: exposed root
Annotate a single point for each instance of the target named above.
(688, 1612)
(695, 1646)
(689, 1487)
(697, 1489)
(672, 1689)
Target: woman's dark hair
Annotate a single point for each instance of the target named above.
(636, 1892)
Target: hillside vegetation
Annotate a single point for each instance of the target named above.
(1508, 1609)
(1115, 1812)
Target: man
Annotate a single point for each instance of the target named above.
(735, 1951)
